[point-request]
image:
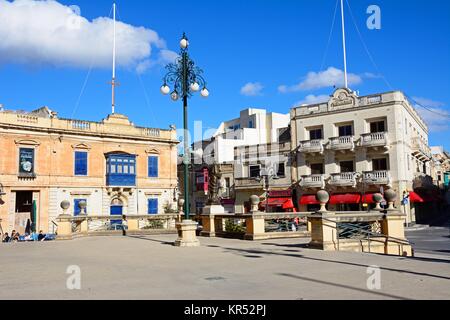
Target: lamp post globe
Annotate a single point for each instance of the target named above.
(184, 43)
(165, 89)
(205, 93)
(174, 96)
(195, 87)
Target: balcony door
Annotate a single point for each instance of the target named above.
(317, 168)
(380, 164)
(377, 127)
(346, 131)
(347, 166)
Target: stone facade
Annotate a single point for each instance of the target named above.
(52, 144)
(353, 144)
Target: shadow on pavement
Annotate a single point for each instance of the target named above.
(262, 252)
(343, 286)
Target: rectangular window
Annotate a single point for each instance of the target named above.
(347, 166)
(345, 131)
(255, 171)
(317, 168)
(153, 167)
(315, 134)
(377, 127)
(250, 124)
(81, 163)
(152, 206)
(380, 164)
(281, 170)
(76, 207)
(26, 161)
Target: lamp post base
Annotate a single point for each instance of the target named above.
(187, 234)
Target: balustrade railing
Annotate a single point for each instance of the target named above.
(342, 143)
(379, 139)
(311, 146)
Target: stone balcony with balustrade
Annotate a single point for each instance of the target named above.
(373, 140)
(342, 143)
(313, 181)
(345, 179)
(381, 177)
(311, 146)
(420, 149)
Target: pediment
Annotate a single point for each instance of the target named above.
(27, 142)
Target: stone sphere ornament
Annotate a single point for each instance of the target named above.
(254, 200)
(65, 205)
(323, 197)
(390, 196)
(82, 205)
(378, 199)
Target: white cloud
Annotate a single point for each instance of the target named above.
(436, 117)
(313, 99)
(252, 89)
(316, 80)
(49, 33)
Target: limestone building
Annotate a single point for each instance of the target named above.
(355, 146)
(115, 166)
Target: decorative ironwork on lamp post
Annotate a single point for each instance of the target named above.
(186, 79)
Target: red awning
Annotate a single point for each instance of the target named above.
(289, 204)
(275, 202)
(348, 198)
(309, 199)
(414, 197)
(368, 198)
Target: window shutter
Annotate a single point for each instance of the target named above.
(153, 167)
(81, 163)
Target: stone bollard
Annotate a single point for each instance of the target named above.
(187, 231)
(255, 222)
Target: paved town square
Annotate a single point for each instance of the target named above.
(221, 269)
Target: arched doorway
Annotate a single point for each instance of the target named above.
(116, 210)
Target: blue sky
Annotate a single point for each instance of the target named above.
(248, 49)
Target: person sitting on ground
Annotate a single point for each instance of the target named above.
(15, 236)
(28, 237)
(6, 238)
(41, 236)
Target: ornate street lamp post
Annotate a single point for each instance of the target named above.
(186, 79)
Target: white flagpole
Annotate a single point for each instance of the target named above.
(344, 45)
(114, 62)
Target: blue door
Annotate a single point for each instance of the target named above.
(116, 211)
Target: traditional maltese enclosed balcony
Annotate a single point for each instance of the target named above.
(382, 177)
(311, 146)
(379, 139)
(313, 181)
(342, 143)
(345, 179)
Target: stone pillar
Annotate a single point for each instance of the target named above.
(324, 234)
(209, 227)
(64, 231)
(133, 224)
(394, 226)
(256, 226)
(187, 234)
(255, 221)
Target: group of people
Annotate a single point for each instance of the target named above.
(17, 237)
